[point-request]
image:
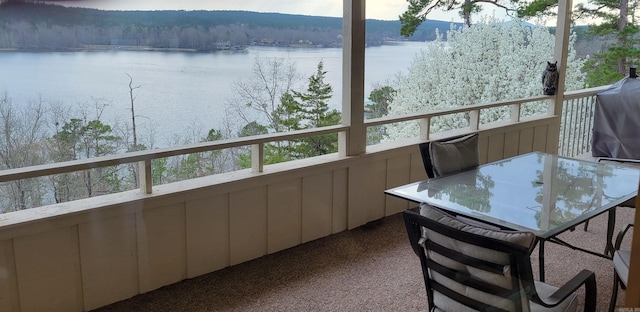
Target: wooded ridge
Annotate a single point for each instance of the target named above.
(47, 26)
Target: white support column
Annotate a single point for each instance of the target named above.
(144, 176)
(474, 120)
(257, 157)
(561, 51)
(354, 141)
(425, 128)
(560, 54)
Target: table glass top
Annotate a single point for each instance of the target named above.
(539, 192)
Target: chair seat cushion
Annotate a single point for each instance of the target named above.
(544, 290)
(621, 264)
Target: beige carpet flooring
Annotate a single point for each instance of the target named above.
(371, 268)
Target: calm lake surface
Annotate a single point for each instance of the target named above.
(179, 91)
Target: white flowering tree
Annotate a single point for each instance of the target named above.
(487, 62)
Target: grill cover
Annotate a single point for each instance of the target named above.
(616, 123)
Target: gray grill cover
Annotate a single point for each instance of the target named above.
(616, 121)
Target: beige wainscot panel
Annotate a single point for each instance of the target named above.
(340, 200)
(540, 138)
(161, 244)
(511, 140)
(317, 206)
(207, 234)
(418, 172)
(284, 215)
(495, 147)
(367, 182)
(553, 133)
(8, 283)
(398, 173)
(109, 260)
(48, 271)
(526, 141)
(247, 224)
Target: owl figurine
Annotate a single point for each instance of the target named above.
(550, 78)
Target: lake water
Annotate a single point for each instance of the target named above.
(178, 90)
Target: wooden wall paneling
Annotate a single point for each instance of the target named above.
(48, 270)
(109, 260)
(366, 192)
(540, 138)
(495, 147)
(398, 173)
(161, 236)
(340, 200)
(483, 148)
(284, 215)
(207, 220)
(553, 135)
(317, 206)
(417, 167)
(526, 141)
(511, 145)
(8, 282)
(247, 224)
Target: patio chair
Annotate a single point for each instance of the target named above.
(469, 268)
(450, 155)
(621, 260)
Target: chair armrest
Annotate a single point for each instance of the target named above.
(620, 236)
(586, 278)
(622, 160)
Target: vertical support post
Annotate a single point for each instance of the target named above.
(632, 296)
(474, 120)
(515, 113)
(425, 128)
(144, 176)
(257, 157)
(561, 53)
(354, 141)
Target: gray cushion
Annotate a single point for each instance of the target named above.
(455, 155)
(621, 260)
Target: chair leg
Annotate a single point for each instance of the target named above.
(614, 292)
(586, 225)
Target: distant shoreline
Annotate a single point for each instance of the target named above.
(232, 49)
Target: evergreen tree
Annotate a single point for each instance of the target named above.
(380, 98)
(77, 140)
(418, 10)
(619, 19)
(617, 29)
(310, 110)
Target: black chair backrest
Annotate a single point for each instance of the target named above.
(469, 267)
(425, 150)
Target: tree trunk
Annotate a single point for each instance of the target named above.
(622, 38)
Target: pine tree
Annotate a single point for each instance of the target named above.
(619, 19)
(310, 110)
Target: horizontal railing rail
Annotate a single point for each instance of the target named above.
(572, 101)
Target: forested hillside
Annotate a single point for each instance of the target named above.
(43, 26)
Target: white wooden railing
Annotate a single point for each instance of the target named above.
(87, 253)
(574, 138)
(577, 122)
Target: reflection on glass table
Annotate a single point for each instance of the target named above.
(538, 192)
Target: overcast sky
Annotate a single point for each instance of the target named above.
(375, 9)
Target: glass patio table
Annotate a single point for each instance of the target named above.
(538, 192)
